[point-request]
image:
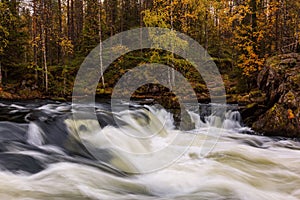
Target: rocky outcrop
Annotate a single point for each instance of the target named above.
(280, 81)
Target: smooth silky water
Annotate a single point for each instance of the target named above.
(45, 154)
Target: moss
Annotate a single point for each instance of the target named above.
(290, 96)
(278, 121)
(59, 99)
(252, 105)
(100, 91)
(255, 93)
(296, 80)
(243, 99)
(274, 108)
(273, 61)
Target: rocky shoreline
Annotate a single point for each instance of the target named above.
(279, 113)
(272, 109)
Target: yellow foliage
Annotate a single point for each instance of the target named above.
(66, 45)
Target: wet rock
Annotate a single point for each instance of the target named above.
(251, 112)
(20, 163)
(182, 119)
(269, 81)
(289, 100)
(257, 96)
(281, 87)
(278, 121)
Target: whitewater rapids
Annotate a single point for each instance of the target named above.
(230, 165)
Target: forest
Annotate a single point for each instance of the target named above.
(44, 42)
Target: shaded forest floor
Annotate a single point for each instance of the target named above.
(234, 95)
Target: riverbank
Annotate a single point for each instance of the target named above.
(279, 81)
(271, 108)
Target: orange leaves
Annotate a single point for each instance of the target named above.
(250, 62)
(66, 45)
(290, 114)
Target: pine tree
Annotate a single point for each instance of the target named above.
(13, 41)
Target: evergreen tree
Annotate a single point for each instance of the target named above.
(14, 42)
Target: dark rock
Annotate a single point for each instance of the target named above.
(276, 121)
(257, 96)
(268, 81)
(291, 62)
(20, 163)
(251, 113)
(281, 86)
(289, 100)
(182, 119)
(289, 55)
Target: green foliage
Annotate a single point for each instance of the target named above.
(5, 18)
(239, 35)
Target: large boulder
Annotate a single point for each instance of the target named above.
(280, 80)
(278, 121)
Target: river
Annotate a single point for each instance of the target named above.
(139, 155)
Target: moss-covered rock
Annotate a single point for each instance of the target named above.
(281, 87)
(278, 121)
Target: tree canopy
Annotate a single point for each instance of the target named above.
(43, 42)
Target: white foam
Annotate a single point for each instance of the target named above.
(35, 134)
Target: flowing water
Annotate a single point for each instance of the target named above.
(141, 154)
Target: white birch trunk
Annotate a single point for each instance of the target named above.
(100, 45)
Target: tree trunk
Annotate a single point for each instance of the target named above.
(100, 41)
(206, 30)
(45, 56)
(122, 15)
(141, 24)
(68, 19)
(78, 19)
(172, 75)
(34, 40)
(44, 50)
(59, 53)
(72, 32)
(254, 24)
